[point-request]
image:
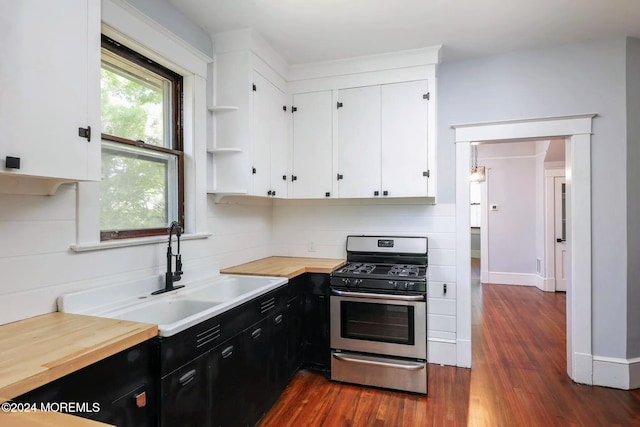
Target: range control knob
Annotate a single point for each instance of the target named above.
(357, 282)
(394, 284)
(347, 282)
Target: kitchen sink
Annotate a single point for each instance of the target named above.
(231, 287)
(175, 311)
(164, 311)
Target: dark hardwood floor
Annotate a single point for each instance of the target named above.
(518, 379)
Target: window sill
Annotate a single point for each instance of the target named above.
(123, 243)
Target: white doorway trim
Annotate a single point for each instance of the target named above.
(577, 130)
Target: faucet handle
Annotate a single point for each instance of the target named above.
(178, 271)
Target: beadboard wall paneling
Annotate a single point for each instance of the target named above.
(38, 265)
(326, 223)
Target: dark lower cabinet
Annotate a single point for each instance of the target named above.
(119, 390)
(224, 372)
(295, 315)
(315, 344)
(184, 395)
(228, 383)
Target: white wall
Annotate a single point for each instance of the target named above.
(37, 265)
(326, 223)
(633, 200)
(511, 184)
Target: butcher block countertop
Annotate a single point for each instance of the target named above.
(36, 351)
(46, 419)
(288, 267)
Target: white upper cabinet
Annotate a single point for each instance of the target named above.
(312, 173)
(405, 167)
(358, 141)
(382, 140)
(270, 139)
(50, 88)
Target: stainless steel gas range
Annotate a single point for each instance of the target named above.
(378, 309)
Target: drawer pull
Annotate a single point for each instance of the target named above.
(256, 334)
(187, 378)
(227, 352)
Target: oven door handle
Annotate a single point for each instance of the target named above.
(409, 366)
(378, 296)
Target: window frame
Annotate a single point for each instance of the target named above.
(177, 138)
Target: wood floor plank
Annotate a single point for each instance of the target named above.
(518, 379)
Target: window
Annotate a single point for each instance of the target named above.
(142, 187)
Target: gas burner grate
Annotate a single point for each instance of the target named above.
(359, 268)
(404, 270)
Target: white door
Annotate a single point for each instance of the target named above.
(358, 136)
(404, 139)
(312, 173)
(560, 214)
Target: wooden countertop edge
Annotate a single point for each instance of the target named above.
(59, 368)
(46, 419)
(297, 267)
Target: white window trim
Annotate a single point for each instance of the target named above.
(124, 23)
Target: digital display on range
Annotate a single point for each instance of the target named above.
(385, 243)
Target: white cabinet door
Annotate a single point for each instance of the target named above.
(269, 148)
(49, 87)
(312, 145)
(358, 134)
(262, 128)
(279, 143)
(404, 139)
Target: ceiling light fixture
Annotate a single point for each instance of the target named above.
(477, 172)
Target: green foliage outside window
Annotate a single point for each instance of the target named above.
(136, 183)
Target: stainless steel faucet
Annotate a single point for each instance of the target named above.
(172, 276)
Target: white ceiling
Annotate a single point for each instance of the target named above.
(305, 31)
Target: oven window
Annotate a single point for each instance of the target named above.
(377, 322)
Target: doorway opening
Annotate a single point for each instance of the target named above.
(577, 132)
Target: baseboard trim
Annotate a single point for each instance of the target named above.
(519, 279)
(616, 372)
(441, 352)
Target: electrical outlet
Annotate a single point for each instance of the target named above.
(311, 246)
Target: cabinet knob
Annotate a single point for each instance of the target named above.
(273, 193)
(385, 193)
(284, 177)
(253, 171)
(85, 133)
(376, 193)
(340, 176)
(141, 399)
(327, 194)
(269, 193)
(12, 162)
(294, 178)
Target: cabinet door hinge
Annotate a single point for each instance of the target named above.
(294, 109)
(85, 133)
(426, 173)
(339, 105)
(427, 96)
(254, 87)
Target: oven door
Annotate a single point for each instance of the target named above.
(393, 325)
